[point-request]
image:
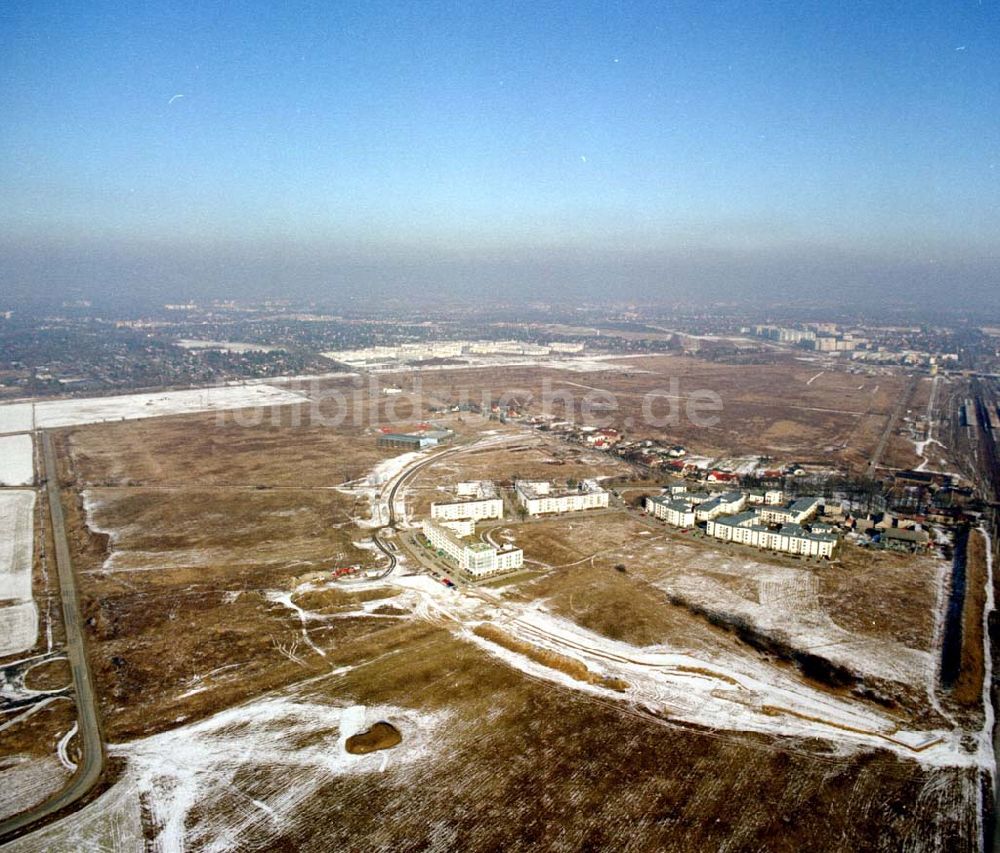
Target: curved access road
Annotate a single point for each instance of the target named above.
(91, 742)
(400, 480)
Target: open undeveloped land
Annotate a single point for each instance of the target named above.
(790, 408)
(641, 689)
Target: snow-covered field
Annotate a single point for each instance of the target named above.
(18, 627)
(19, 617)
(16, 544)
(17, 417)
(787, 604)
(727, 692)
(17, 460)
(27, 781)
(225, 346)
(111, 822)
(215, 762)
(583, 364)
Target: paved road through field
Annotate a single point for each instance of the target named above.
(91, 743)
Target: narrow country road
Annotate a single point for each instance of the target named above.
(890, 426)
(91, 743)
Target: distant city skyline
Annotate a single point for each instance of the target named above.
(652, 150)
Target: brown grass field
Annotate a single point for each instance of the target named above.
(521, 764)
(790, 408)
(968, 690)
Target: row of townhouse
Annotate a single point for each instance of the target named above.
(479, 559)
(724, 504)
(748, 528)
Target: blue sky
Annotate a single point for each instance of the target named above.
(495, 132)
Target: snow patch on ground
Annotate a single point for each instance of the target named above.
(786, 606)
(17, 460)
(63, 746)
(391, 468)
(27, 781)
(19, 616)
(285, 598)
(202, 762)
(725, 691)
(748, 697)
(48, 414)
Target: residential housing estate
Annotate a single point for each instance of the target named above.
(777, 527)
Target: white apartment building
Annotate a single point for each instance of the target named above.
(479, 501)
(679, 513)
(476, 489)
(724, 504)
(540, 498)
(770, 497)
(477, 558)
(796, 512)
(746, 528)
(462, 527)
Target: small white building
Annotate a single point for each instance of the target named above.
(479, 559)
(540, 498)
(463, 527)
(475, 510)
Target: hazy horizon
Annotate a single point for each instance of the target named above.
(652, 152)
